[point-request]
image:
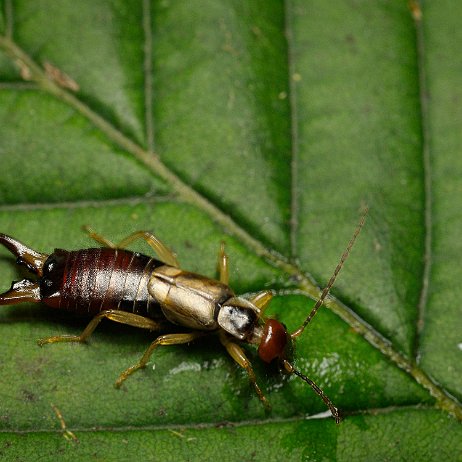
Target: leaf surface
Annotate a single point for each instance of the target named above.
(268, 125)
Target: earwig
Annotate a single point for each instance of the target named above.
(134, 289)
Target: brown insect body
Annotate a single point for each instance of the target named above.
(134, 289)
(89, 281)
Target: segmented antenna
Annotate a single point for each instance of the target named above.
(326, 290)
(333, 410)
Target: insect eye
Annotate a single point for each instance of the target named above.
(273, 342)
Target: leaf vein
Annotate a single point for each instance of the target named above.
(148, 75)
(428, 193)
(294, 129)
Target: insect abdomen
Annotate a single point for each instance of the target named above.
(92, 280)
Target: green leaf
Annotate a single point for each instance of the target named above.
(365, 437)
(268, 125)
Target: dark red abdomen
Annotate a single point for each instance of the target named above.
(92, 280)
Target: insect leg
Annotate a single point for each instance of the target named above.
(223, 268)
(168, 339)
(22, 291)
(98, 237)
(261, 300)
(236, 352)
(123, 317)
(165, 254)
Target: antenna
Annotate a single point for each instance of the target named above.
(326, 290)
(333, 410)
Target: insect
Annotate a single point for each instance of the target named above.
(130, 288)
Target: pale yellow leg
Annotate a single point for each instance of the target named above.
(237, 353)
(165, 254)
(123, 317)
(223, 268)
(261, 300)
(168, 339)
(98, 237)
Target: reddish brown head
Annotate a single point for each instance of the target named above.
(276, 344)
(274, 341)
